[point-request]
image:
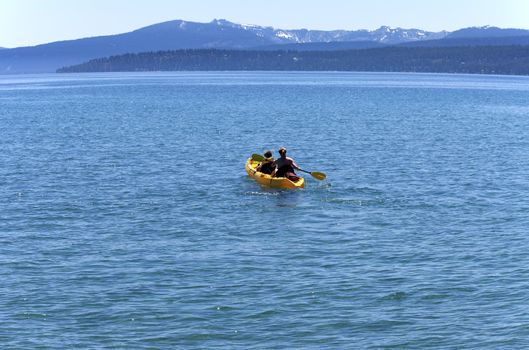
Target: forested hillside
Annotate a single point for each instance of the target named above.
(480, 59)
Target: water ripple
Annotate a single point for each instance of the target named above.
(127, 221)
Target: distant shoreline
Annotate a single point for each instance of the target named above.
(495, 60)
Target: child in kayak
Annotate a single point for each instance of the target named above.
(285, 166)
(267, 165)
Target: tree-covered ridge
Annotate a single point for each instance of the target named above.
(480, 59)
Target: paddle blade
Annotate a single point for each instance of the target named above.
(257, 157)
(318, 175)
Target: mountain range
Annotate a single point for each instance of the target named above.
(223, 34)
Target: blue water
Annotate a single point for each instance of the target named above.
(127, 220)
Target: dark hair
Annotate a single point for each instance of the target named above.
(282, 151)
(268, 154)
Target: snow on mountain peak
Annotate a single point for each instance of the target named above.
(384, 34)
(284, 35)
(250, 26)
(225, 23)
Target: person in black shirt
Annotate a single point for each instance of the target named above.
(267, 165)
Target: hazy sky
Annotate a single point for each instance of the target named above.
(31, 22)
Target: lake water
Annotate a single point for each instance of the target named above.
(127, 220)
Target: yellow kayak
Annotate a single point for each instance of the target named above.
(267, 180)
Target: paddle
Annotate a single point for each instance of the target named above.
(257, 157)
(315, 174)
